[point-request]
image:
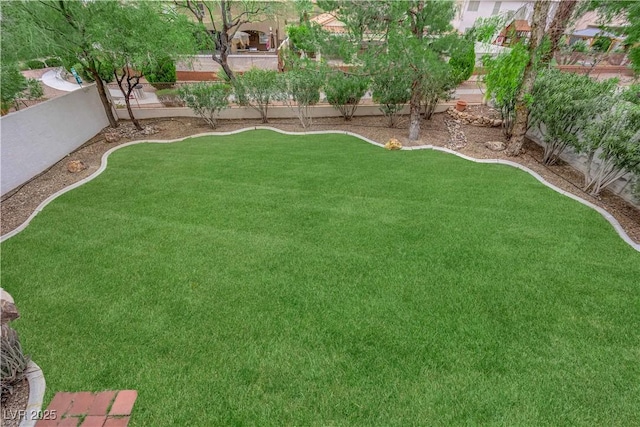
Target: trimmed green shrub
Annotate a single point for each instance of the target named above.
(257, 89)
(392, 91)
(35, 64)
(302, 86)
(344, 92)
(53, 62)
(207, 100)
(163, 75)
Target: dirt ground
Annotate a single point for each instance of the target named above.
(13, 403)
(18, 205)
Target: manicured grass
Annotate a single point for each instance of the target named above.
(264, 279)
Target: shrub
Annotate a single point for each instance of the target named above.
(503, 80)
(302, 86)
(34, 89)
(257, 88)
(391, 91)
(163, 75)
(169, 97)
(563, 104)
(616, 139)
(207, 100)
(13, 362)
(580, 47)
(463, 62)
(35, 64)
(53, 62)
(12, 83)
(344, 91)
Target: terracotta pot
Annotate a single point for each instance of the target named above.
(461, 105)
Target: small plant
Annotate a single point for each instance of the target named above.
(169, 97)
(344, 92)
(257, 89)
(207, 100)
(163, 75)
(580, 46)
(34, 89)
(13, 361)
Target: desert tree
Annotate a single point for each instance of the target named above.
(225, 17)
(148, 33)
(65, 29)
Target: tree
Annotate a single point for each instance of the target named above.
(207, 100)
(232, 15)
(408, 36)
(563, 105)
(558, 26)
(65, 29)
(147, 36)
(257, 88)
(540, 12)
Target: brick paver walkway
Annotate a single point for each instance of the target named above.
(85, 409)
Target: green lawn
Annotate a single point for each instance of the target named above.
(264, 279)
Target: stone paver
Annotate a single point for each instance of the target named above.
(103, 409)
(117, 422)
(102, 403)
(124, 402)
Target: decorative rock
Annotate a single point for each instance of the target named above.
(495, 145)
(112, 137)
(75, 166)
(8, 310)
(393, 144)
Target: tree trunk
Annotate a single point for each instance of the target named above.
(557, 28)
(113, 122)
(135, 121)
(414, 109)
(540, 12)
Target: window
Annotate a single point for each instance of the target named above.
(474, 5)
(496, 8)
(200, 7)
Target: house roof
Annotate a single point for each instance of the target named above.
(519, 25)
(593, 32)
(329, 23)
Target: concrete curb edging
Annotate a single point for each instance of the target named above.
(37, 387)
(616, 225)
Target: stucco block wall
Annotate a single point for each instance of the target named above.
(37, 137)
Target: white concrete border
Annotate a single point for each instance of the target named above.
(616, 225)
(37, 386)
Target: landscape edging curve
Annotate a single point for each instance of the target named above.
(104, 160)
